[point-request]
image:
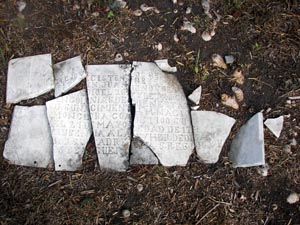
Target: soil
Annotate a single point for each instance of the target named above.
(264, 38)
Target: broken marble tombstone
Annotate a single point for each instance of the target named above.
(29, 141)
(141, 154)
(164, 66)
(67, 74)
(275, 125)
(71, 129)
(162, 119)
(29, 77)
(247, 148)
(195, 97)
(211, 130)
(108, 93)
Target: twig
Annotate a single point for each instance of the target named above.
(207, 213)
(260, 81)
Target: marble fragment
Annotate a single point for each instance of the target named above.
(67, 74)
(164, 66)
(211, 130)
(108, 93)
(29, 141)
(29, 77)
(196, 95)
(162, 118)
(141, 154)
(71, 129)
(247, 148)
(275, 125)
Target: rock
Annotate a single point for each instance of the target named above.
(29, 141)
(108, 89)
(118, 4)
(158, 47)
(137, 12)
(21, 5)
(188, 26)
(71, 129)
(125, 213)
(140, 187)
(141, 154)
(206, 36)
(293, 198)
(263, 170)
(29, 77)
(196, 95)
(162, 119)
(68, 74)
(211, 130)
(164, 66)
(229, 59)
(118, 57)
(195, 107)
(275, 125)
(247, 148)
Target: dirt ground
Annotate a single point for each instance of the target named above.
(263, 36)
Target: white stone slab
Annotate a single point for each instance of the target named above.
(162, 118)
(247, 148)
(275, 125)
(164, 66)
(196, 95)
(29, 77)
(71, 129)
(29, 141)
(108, 92)
(67, 74)
(141, 154)
(211, 130)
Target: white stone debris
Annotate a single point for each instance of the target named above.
(71, 129)
(229, 59)
(206, 36)
(275, 125)
(118, 4)
(247, 148)
(118, 57)
(196, 95)
(263, 170)
(206, 8)
(162, 119)
(21, 5)
(164, 66)
(29, 141)
(187, 25)
(293, 198)
(29, 77)
(67, 74)
(108, 88)
(141, 154)
(211, 130)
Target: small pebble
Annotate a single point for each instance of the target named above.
(21, 5)
(158, 46)
(293, 198)
(175, 11)
(95, 14)
(126, 213)
(188, 10)
(229, 59)
(137, 12)
(287, 149)
(140, 187)
(263, 170)
(293, 142)
(206, 36)
(118, 57)
(175, 37)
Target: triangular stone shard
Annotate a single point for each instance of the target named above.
(275, 125)
(196, 95)
(162, 118)
(29, 141)
(29, 77)
(67, 74)
(71, 129)
(108, 93)
(211, 130)
(247, 148)
(164, 66)
(141, 154)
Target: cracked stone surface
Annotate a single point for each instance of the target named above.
(67, 74)
(71, 129)
(162, 118)
(211, 130)
(108, 93)
(29, 141)
(141, 154)
(29, 77)
(275, 125)
(247, 148)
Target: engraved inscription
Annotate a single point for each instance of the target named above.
(108, 87)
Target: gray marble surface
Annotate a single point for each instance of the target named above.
(108, 92)
(162, 119)
(141, 154)
(71, 129)
(29, 141)
(29, 77)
